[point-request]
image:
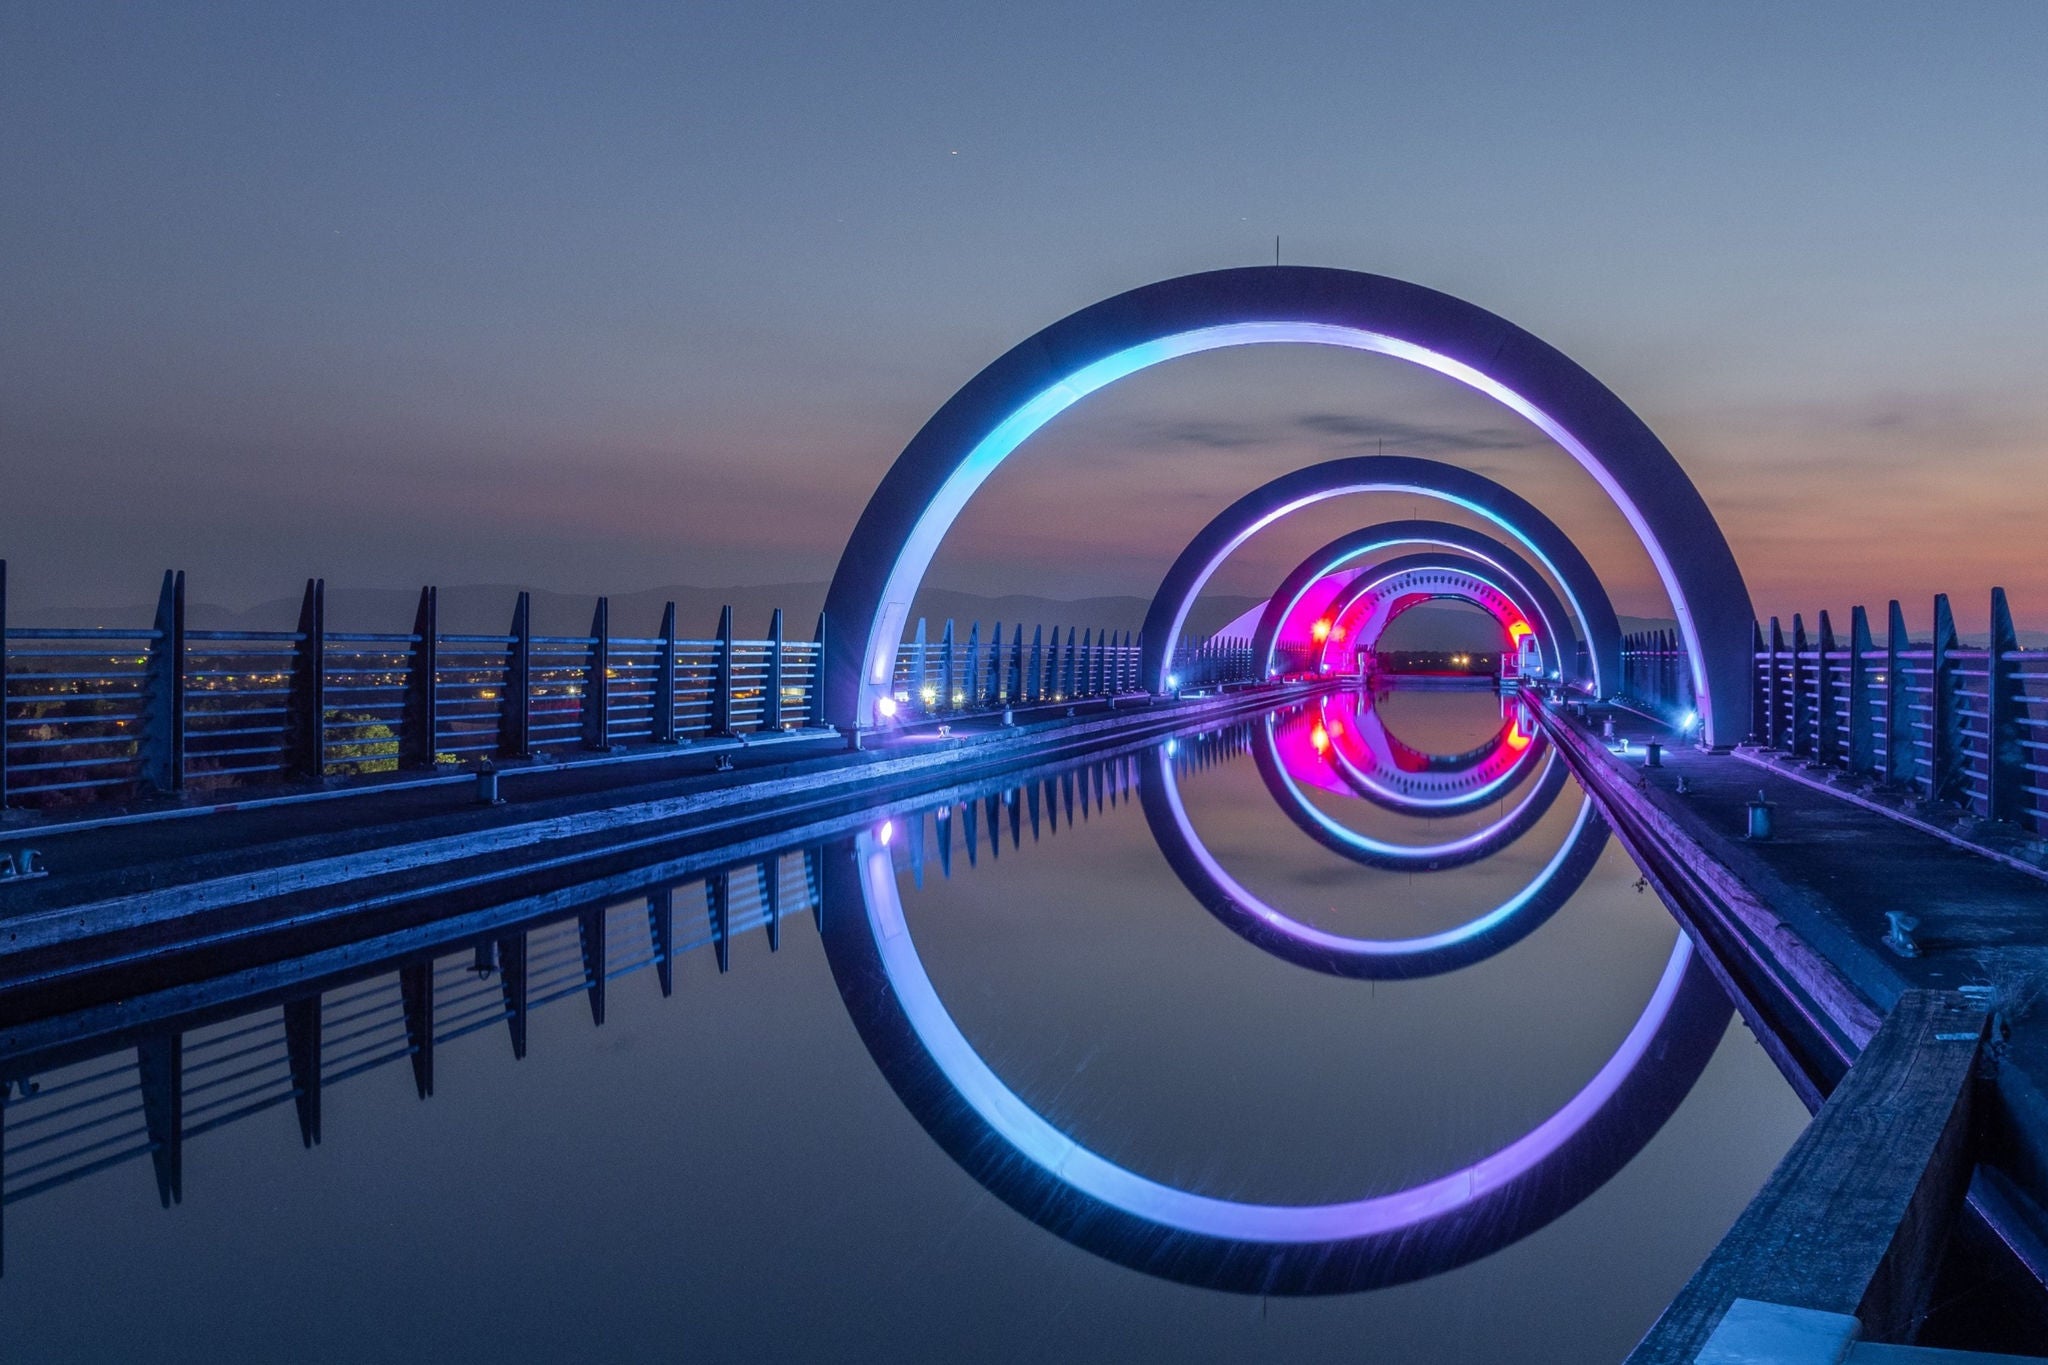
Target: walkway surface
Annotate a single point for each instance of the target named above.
(1797, 926)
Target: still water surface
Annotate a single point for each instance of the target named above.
(1342, 1032)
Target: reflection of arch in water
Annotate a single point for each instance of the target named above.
(1306, 594)
(1284, 770)
(1282, 935)
(1377, 765)
(1389, 1238)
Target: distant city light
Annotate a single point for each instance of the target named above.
(929, 695)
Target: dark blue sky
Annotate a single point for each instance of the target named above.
(607, 296)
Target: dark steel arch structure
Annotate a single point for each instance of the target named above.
(1539, 608)
(1565, 651)
(1391, 591)
(903, 523)
(1274, 499)
(1517, 577)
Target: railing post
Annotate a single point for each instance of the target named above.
(664, 720)
(1800, 709)
(1901, 761)
(946, 668)
(920, 663)
(2006, 757)
(305, 717)
(771, 710)
(419, 731)
(993, 676)
(721, 679)
(163, 692)
(3, 684)
(814, 716)
(514, 717)
(597, 679)
(1862, 715)
(1827, 746)
(1774, 719)
(1945, 777)
(1759, 685)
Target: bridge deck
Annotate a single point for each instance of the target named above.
(1797, 924)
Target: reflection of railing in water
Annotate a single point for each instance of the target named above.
(69, 1117)
(70, 1110)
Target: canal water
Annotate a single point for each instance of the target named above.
(1344, 1031)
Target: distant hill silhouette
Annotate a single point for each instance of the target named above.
(487, 607)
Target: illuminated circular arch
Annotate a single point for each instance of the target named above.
(1354, 594)
(1270, 501)
(923, 492)
(1381, 1239)
(1394, 591)
(1514, 576)
(1283, 782)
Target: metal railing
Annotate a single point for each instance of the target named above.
(1656, 674)
(1943, 720)
(115, 714)
(952, 674)
(110, 713)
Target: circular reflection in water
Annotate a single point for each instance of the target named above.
(1289, 762)
(1378, 765)
(1182, 1234)
(1283, 935)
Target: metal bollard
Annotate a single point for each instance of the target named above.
(1900, 937)
(1607, 726)
(487, 784)
(1760, 817)
(1654, 757)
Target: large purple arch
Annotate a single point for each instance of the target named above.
(996, 411)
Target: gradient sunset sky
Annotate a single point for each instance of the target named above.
(603, 297)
